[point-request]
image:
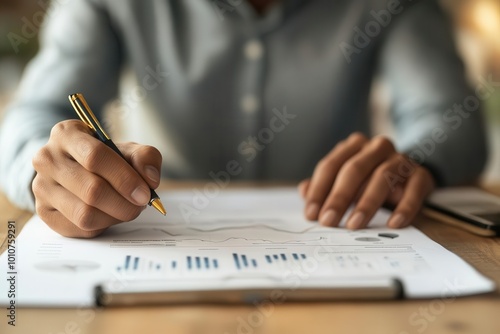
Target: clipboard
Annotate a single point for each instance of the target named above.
(234, 291)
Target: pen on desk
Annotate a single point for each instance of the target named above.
(87, 116)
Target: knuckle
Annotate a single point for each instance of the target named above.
(383, 170)
(91, 156)
(37, 186)
(84, 217)
(63, 127)
(325, 166)
(124, 181)
(382, 143)
(151, 151)
(58, 129)
(353, 166)
(368, 204)
(340, 145)
(94, 191)
(42, 158)
(357, 137)
(145, 151)
(340, 200)
(42, 210)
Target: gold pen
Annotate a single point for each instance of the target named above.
(87, 116)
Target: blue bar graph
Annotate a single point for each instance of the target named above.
(139, 264)
(245, 262)
(199, 263)
(236, 261)
(242, 261)
(282, 257)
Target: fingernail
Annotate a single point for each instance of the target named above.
(356, 221)
(152, 173)
(141, 195)
(329, 218)
(397, 221)
(312, 211)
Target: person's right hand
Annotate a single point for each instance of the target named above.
(82, 186)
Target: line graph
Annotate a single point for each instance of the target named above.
(217, 229)
(256, 234)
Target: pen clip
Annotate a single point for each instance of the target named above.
(86, 115)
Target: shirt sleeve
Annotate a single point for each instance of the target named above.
(437, 117)
(79, 52)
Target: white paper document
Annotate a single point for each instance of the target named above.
(231, 240)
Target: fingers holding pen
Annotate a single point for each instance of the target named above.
(58, 171)
(97, 158)
(145, 159)
(82, 186)
(65, 213)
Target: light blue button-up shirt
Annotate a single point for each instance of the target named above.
(223, 91)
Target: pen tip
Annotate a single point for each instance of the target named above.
(156, 203)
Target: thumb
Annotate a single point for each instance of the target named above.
(145, 159)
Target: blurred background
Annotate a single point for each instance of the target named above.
(477, 29)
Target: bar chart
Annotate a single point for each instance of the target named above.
(232, 261)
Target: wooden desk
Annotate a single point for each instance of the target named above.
(474, 315)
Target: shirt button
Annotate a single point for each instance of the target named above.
(249, 104)
(254, 49)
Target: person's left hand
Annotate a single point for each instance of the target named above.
(370, 173)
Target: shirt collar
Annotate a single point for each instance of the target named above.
(273, 18)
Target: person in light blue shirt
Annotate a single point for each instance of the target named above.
(241, 90)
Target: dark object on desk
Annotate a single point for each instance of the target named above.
(388, 235)
(471, 209)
